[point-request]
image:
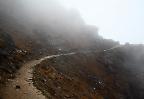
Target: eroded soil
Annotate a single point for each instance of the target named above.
(22, 87)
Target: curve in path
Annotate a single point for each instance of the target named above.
(22, 86)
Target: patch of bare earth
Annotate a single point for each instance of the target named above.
(22, 87)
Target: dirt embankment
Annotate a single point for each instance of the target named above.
(80, 76)
(21, 87)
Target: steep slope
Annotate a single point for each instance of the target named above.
(48, 28)
(133, 60)
(80, 76)
(27, 32)
(111, 74)
(36, 34)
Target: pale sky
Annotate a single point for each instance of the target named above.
(121, 20)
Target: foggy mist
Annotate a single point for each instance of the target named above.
(116, 19)
(43, 13)
(49, 17)
(44, 29)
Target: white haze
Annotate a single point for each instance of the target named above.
(121, 20)
(43, 13)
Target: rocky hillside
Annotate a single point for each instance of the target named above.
(34, 30)
(28, 33)
(133, 60)
(10, 57)
(22, 31)
(112, 74)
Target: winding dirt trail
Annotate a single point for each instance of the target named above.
(25, 89)
(22, 86)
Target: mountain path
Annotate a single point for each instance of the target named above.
(22, 86)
